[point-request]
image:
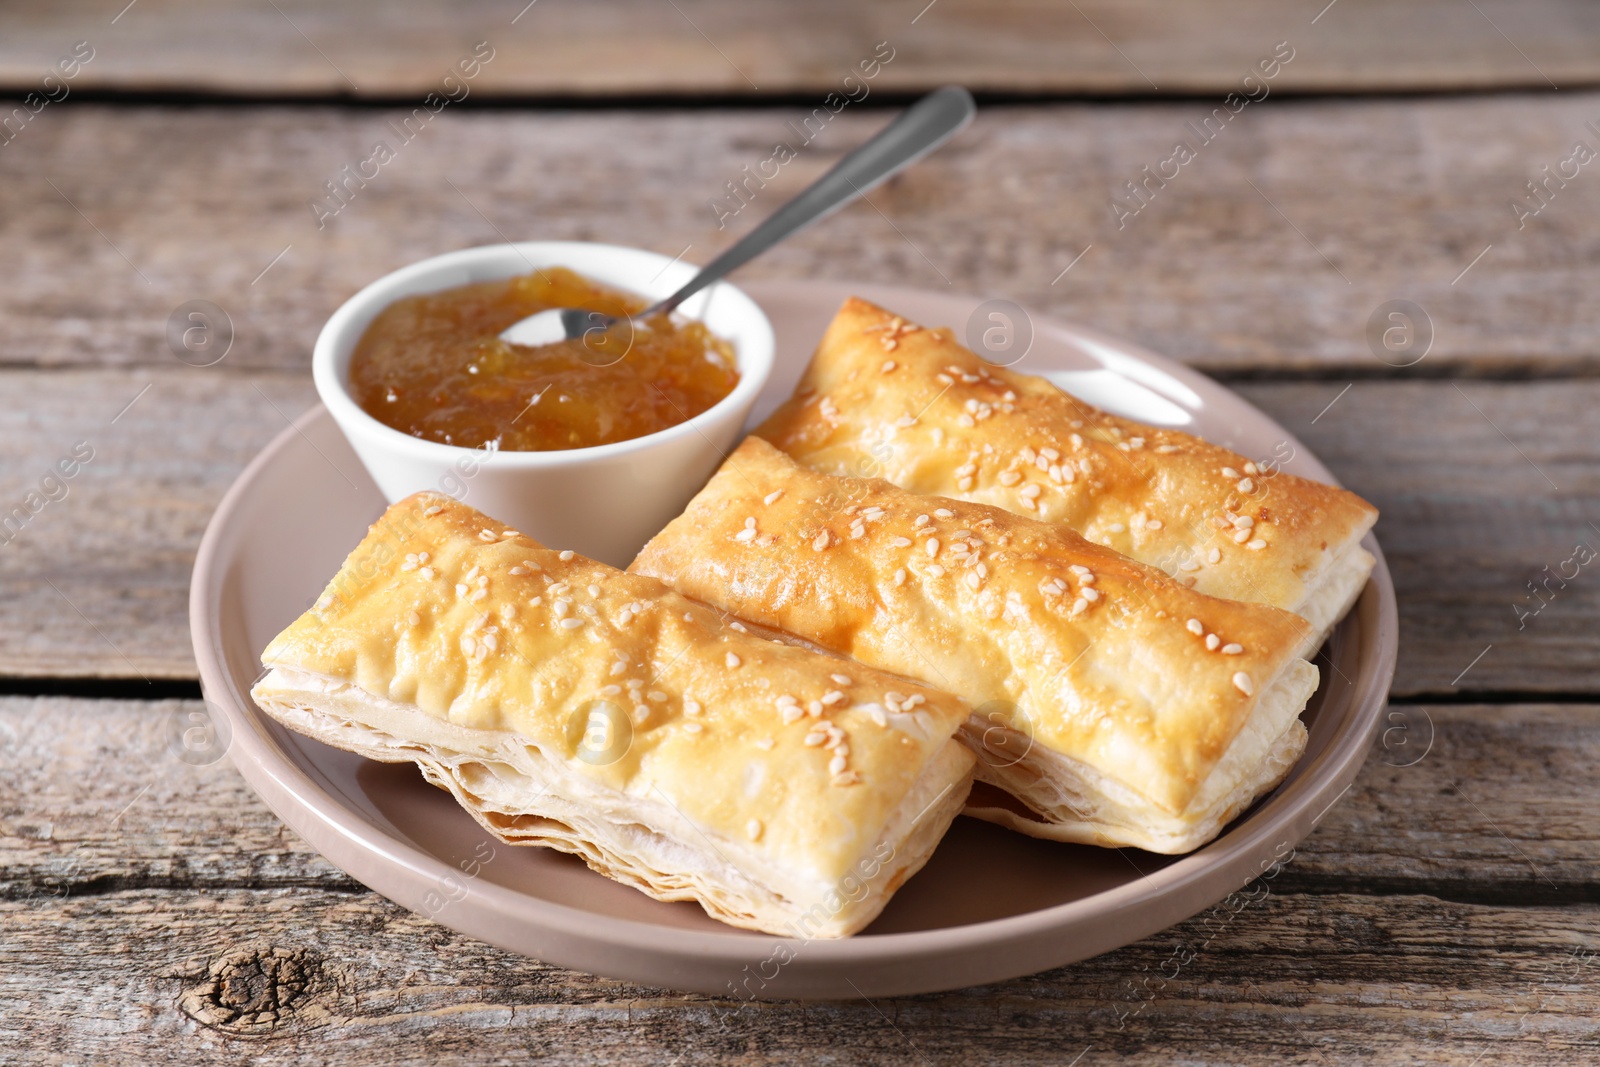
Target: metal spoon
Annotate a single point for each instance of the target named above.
(920, 129)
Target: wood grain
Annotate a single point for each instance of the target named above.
(96, 583)
(152, 906)
(1484, 499)
(287, 976)
(1485, 804)
(722, 47)
(1444, 911)
(1267, 254)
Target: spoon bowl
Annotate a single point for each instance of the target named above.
(561, 324)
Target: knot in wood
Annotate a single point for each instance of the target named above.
(255, 991)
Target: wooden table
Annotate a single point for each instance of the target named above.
(1447, 911)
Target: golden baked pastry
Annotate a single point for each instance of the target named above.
(1119, 706)
(886, 398)
(568, 704)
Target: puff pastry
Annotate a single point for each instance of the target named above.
(886, 398)
(1119, 706)
(568, 704)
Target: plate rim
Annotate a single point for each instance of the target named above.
(653, 951)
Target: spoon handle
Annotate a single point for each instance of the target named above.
(918, 130)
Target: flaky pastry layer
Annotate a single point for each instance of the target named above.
(886, 398)
(569, 704)
(1071, 801)
(1151, 690)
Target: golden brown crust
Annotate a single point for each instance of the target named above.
(444, 613)
(885, 398)
(1086, 651)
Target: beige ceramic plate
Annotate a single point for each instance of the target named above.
(990, 905)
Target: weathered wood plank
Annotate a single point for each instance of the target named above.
(1468, 518)
(283, 976)
(102, 795)
(1486, 494)
(1472, 802)
(1453, 802)
(1241, 263)
(725, 47)
(97, 580)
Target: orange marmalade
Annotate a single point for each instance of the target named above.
(434, 366)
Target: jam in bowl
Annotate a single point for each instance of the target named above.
(602, 476)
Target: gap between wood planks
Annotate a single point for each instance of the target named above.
(1509, 369)
(880, 99)
(1320, 885)
(129, 688)
(102, 688)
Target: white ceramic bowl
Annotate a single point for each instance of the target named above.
(605, 501)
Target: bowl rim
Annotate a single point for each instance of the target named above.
(754, 360)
